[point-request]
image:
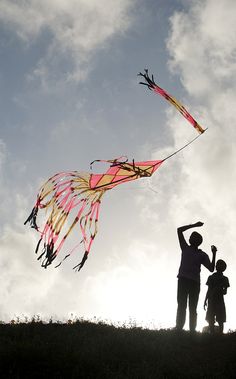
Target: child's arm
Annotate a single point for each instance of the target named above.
(226, 286)
(208, 283)
(206, 299)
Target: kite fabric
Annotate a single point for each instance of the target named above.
(80, 193)
(150, 83)
(73, 199)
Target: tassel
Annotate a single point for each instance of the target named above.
(80, 265)
(32, 218)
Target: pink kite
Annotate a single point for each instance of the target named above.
(74, 198)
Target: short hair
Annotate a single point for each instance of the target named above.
(221, 265)
(195, 239)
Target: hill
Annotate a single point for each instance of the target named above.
(99, 351)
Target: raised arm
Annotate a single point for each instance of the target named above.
(210, 265)
(213, 261)
(182, 229)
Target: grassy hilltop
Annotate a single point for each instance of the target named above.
(98, 351)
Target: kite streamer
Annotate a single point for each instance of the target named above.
(150, 83)
(73, 199)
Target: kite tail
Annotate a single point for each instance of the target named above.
(150, 83)
(88, 225)
(33, 216)
(49, 253)
(80, 265)
(68, 200)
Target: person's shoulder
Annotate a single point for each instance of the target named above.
(185, 247)
(215, 275)
(203, 254)
(225, 278)
(209, 279)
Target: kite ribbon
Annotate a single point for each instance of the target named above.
(150, 83)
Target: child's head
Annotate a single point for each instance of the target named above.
(195, 239)
(221, 265)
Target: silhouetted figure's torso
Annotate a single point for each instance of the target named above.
(217, 284)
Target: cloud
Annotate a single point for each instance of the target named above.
(3, 157)
(204, 57)
(2, 153)
(200, 180)
(75, 30)
(202, 46)
(26, 288)
(116, 292)
(135, 279)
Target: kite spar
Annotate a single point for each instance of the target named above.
(73, 198)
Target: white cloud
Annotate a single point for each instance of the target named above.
(132, 285)
(204, 59)
(115, 293)
(77, 28)
(2, 153)
(27, 289)
(202, 46)
(3, 191)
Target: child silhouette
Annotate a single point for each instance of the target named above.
(214, 300)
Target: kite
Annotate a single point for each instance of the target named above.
(74, 198)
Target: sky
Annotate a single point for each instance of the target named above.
(70, 94)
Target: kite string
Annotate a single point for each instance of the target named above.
(183, 147)
(176, 152)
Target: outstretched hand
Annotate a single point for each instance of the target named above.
(199, 223)
(213, 249)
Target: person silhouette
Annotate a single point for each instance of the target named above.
(189, 275)
(217, 287)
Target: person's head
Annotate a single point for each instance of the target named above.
(221, 265)
(195, 239)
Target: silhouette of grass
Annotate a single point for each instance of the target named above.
(84, 349)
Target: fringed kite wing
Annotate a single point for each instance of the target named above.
(79, 194)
